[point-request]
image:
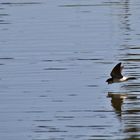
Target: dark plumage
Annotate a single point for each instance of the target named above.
(116, 75)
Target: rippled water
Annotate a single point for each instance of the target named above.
(55, 57)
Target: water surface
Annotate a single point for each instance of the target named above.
(55, 56)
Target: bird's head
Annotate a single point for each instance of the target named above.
(109, 81)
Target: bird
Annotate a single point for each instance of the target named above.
(116, 75)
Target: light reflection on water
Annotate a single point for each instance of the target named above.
(55, 57)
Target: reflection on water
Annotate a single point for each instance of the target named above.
(117, 101)
(54, 59)
(125, 106)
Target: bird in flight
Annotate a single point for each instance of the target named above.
(116, 75)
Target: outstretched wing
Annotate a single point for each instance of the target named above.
(116, 72)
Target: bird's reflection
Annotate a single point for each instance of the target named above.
(127, 109)
(117, 101)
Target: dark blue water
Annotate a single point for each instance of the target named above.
(55, 57)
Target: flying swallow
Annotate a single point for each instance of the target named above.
(116, 75)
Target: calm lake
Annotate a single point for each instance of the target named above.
(55, 56)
